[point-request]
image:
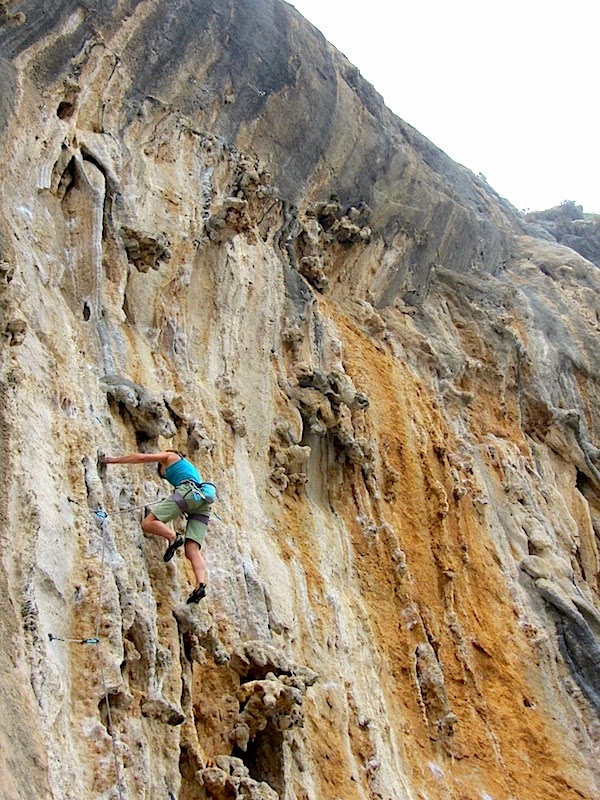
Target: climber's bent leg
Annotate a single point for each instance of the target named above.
(193, 553)
(152, 524)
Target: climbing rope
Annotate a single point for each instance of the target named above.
(100, 587)
(95, 641)
(110, 727)
(102, 514)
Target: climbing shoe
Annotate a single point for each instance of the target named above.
(197, 594)
(170, 551)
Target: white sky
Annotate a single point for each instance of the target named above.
(508, 89)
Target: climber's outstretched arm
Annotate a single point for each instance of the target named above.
(142, 458)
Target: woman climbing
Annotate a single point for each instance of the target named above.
(192, 498)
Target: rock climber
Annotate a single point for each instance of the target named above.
(192, 498)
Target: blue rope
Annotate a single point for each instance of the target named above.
(101, 514)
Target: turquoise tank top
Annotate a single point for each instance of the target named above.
(181, 471)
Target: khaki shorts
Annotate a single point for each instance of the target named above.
(168, 510)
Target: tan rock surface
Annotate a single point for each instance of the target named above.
(215, 237)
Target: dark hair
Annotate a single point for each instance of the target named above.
(159, 465)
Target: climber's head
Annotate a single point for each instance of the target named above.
(159, 468)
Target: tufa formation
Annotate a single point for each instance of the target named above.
(214, 237)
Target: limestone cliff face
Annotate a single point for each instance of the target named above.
(215, 237)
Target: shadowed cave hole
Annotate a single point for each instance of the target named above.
(591, 495)
(118, 701)
(103, 712)
(133, 667)
(264, 754)
(119, 409)
(69, 180)
(65, 110)
(528, 703)
(586, 487)
(264, 758)
(127, 309)
(142, 439)
(305, 433)
(581, 652)
(189, 765)
(86, 311)
(258, 672)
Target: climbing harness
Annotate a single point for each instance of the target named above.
(101, 514)
(181, 502)
(207, 492)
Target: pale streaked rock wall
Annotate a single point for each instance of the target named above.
(215, 237)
